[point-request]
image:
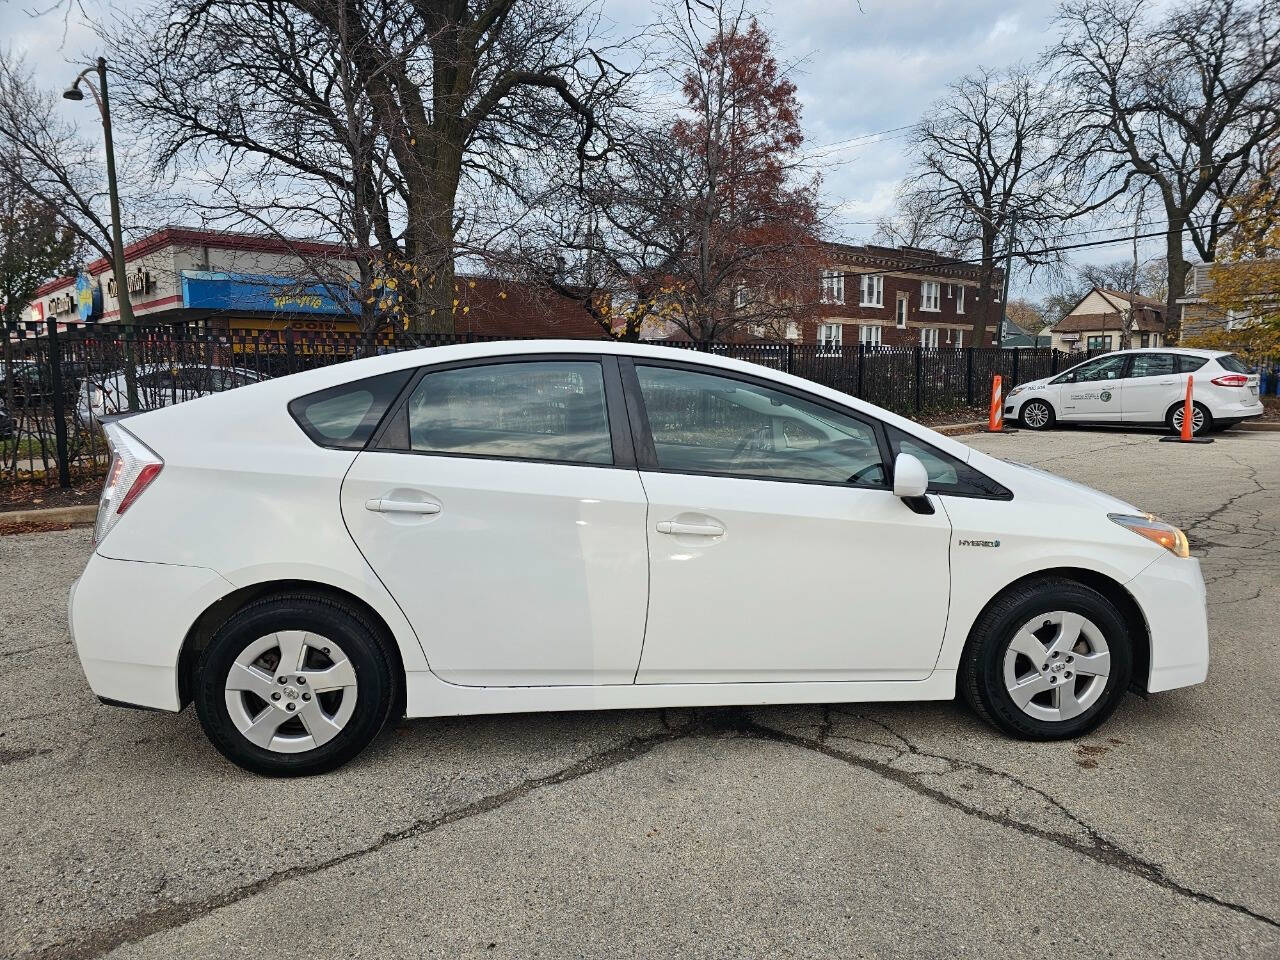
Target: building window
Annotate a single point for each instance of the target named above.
(833, 286)
(872, 290)
(959, 300)
(930, 298)
(830, 337)
(900, 317)
(740, 297)
(929, 338)
(1099, 343)
(793, 330)
(959, 337)
(870, 335)
(1146, 340)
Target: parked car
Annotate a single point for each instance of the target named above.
(158, 385)
(8, 426)
(1146, 386)
(507, 527)
(33, 384)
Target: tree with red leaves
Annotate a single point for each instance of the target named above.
(750, 220)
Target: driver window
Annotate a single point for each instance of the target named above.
(702, 423)
(1104, 368)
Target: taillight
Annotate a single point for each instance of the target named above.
(134, 466)
(1231, 380)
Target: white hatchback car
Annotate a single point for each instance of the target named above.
(507, 527)
(1147, 386)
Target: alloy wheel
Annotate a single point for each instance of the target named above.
(1035, 415)
(291, 691)
(1056, 666)
(1197, 420)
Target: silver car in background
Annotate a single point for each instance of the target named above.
(158, 385)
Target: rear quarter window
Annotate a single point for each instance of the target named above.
(345, 416)
(1232, 363)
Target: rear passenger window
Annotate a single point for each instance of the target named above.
(537, 410)
(1190, 364)
(1152, 365)
(346, 416)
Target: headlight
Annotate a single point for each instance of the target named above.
(1157, 531)
(1015, 391)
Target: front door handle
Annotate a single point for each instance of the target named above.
(690, 529)
(381, 505)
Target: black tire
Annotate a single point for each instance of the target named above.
(378, 684)
(1206, 424)
(1048, 418)
(982, 664)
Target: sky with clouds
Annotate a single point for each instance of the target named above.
(860, 67)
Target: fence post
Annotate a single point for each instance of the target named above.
(291, 357)
(919, 374)
(1053, 360)
(862, 356)
(1016, 353)
(59, 406)
(790, 356)
(968, 377)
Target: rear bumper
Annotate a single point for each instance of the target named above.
(128, 620)
(1172, 596)
(1239, 410)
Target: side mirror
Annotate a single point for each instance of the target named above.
(911, 482)
(910, 478)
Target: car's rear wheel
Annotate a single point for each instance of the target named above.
(294, 685)
(1036, 415)
(1201, 419)
(1048, 660)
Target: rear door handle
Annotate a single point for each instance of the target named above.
(380, 505)
(690, 529)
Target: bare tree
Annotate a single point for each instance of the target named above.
(407, 114)
(990, 173)
(56, 166)
(1184, 99)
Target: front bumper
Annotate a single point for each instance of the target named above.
(128, 621)
(1172, 596)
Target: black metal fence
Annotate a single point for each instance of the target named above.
(57, 385)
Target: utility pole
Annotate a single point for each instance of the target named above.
(100, 96)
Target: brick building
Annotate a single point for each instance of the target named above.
(899, 296)
(231, 282)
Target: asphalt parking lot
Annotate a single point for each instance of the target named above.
(844, 831)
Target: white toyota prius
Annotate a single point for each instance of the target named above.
(509, 527)
(1147, 386)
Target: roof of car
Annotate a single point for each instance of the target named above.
(1188, 351)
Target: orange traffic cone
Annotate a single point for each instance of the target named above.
(995, 417)
(1188, 420)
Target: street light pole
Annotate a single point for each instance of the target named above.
(103, 101)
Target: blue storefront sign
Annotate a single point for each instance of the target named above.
(88, 298)
(261, 293)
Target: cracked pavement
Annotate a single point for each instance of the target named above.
(845, 830)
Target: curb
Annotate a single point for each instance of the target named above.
(960, 429)
(81, 516)
(1265, 426)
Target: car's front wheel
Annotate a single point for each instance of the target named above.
(1036, 415)
(1048, 660)
(294, 685)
